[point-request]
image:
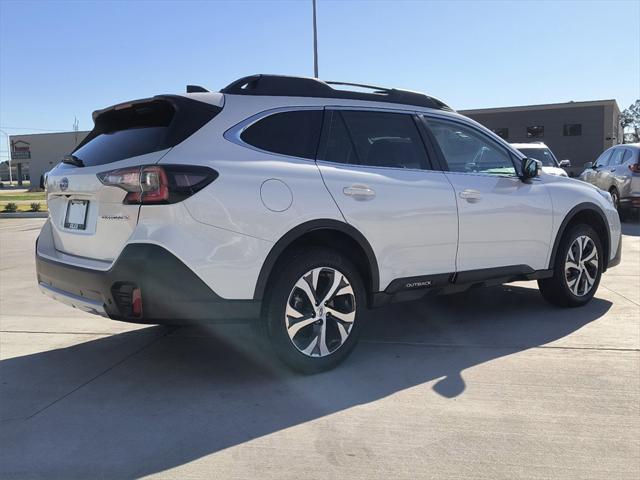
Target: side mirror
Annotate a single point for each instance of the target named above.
(565, 163)
(588, 165)
(530, 168)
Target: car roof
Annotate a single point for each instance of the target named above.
(529, 145)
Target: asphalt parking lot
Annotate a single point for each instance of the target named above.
(492, 383)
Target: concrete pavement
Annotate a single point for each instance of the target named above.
(492, 383)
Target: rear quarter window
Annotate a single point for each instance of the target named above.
(295, 133)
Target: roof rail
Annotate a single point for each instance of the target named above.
(281, 85)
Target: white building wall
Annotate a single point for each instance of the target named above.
(45, 149)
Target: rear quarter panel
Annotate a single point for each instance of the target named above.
(630, 183)
(234, 200)
(567, 193)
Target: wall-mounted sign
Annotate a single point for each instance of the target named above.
(20, 150)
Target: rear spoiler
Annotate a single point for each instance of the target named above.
(188, 116)
(125, 105)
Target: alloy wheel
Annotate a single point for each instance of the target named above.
(581, 266)
(320, 312)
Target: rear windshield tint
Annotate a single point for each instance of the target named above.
(110, 147)
(141, 128)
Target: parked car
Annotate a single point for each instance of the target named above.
(617, 171)
(541, 152)
(299, 204)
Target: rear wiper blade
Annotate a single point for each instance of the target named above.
(72, 160)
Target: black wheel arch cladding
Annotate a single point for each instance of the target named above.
(317, 231)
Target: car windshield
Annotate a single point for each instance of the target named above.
(542, 154)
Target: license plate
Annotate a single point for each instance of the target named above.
(76, 218)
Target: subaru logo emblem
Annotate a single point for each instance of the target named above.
(64, 184)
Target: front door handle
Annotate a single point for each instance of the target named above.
(359, 192)
(470, 195)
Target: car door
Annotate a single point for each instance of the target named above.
(623, 174)
(618, 170)
(594, 176)
(377, 168)
(503, 221)
(605, 176)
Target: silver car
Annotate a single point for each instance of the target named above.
(542, 153)
(617, 171)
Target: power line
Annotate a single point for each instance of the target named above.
(35, 129)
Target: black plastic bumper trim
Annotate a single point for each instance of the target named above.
(171, 292)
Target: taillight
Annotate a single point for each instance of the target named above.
(154, 184)
(635, 168)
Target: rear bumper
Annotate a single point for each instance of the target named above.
(171, 292)
(75, 301)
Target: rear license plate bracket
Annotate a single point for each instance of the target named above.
(76, 217)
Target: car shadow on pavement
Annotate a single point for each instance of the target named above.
(176, 395)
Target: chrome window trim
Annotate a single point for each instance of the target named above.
(352, 166)
(370, 109)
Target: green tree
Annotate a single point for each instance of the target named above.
(630, 122)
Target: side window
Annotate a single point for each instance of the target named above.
(572, 129)
(467, 150)
(535, 131)
(294, 133)
(616, 158)
(375, 139)
(628, 154)
(603, 160)
(336, 145)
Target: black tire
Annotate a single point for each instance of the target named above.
(556, 290)
(294, 266)
(615, 196)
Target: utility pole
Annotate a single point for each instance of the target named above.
(9, 161)
(75, 129)
(315, 42)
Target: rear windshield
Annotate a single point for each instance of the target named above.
(113, 146)
(142, 127)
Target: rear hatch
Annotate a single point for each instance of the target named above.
(90, 218)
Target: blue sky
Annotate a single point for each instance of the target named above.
(60, 60)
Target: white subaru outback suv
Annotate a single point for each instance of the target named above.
(300, 204)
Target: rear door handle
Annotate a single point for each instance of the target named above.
(359, 192)
(470, 195)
